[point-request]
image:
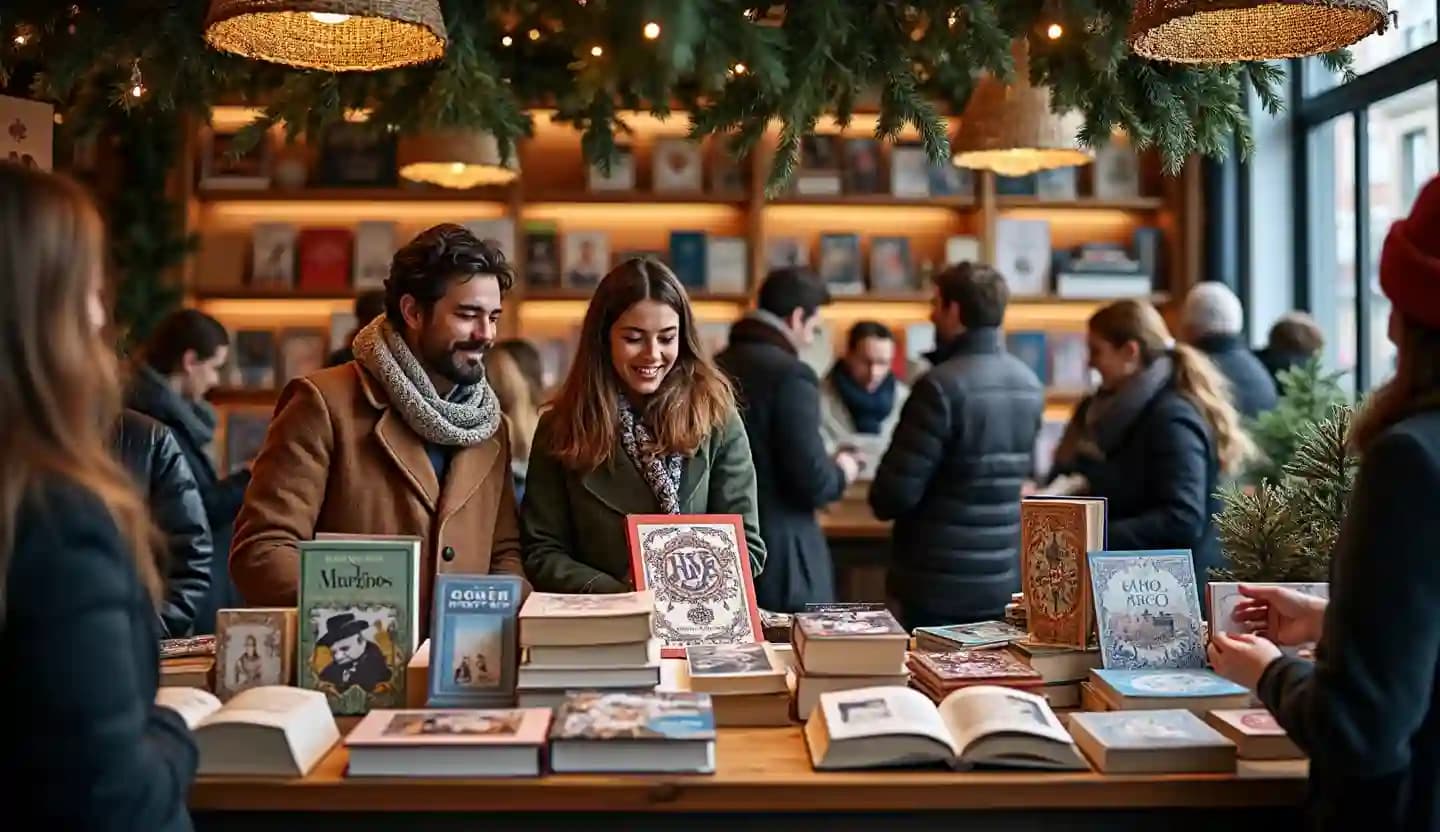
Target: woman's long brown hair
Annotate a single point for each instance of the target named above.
(692, 403)
(59, 387)
(1415, 386)
(1196, 377)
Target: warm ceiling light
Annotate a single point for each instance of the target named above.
(20, 40)
(596, 51)
(1207, 31)
(534, 34)
(506, 41)
(738, 69)
(652, 30)
(1009, 128)
(331, 35)
(455, 159)
(1055, 31)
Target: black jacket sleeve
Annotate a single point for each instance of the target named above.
(1356, 709)
(809, 477)
(99, 754)
(180, 513)
(1176, 451)
(915, 451)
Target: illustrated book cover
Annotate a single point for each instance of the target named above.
(253, 647)
(967, 636)
(359, 620)
(734, 668)
(449, 743)
(849, 643)
(1147, 605)
(633, 732)
(1162, 741)
(698, 567)
(1225, 596)
(1056, 534)
(966, 667)
(473, 650)
(1256, 734)
(1166, 684)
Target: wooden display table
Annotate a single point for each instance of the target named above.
(758, 771)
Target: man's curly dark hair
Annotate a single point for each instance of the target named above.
(424, 268)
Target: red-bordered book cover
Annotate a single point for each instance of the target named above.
(698, 567)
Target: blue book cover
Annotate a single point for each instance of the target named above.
(1030, 347)
(473, 650)
(687, 257)
(1176, 684)
(1147, 608)
(1148, 729)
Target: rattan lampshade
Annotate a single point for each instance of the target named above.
(1224, 31)
(456, 159)
(1009, 129)
(333, 35)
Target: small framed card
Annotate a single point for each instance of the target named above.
(840, 264)
(221, 166)
(253, 647)
(677, 167)
(891, 269)
(909, 171)
(587, 258)
(698, 566)
(621, 176)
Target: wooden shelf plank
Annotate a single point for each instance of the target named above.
(496, 195)
(584, 294)
(881, 200)
(256, 293)
(1142, 203)
(738, 200)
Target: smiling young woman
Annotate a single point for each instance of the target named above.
(644, 424)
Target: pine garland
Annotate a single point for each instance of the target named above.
(1307, 395)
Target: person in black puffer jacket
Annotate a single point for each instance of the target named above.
(1156, 437)
(952, 474)
(150, 454)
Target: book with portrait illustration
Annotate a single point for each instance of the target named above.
(359, 619)
(734, 669)
(1056, 534)
(879, 727)
(449, 743)
(1147, 607)
(266, 731)
(698, 567)
(253, 647)
(473, 652)
(595, 731)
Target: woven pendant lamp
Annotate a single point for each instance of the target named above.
(333, 35)
(455, 159)
(1009, 129)
(1225, 31)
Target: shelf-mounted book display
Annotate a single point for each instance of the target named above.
(698, 567)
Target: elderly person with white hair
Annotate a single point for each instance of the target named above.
(1211, 322)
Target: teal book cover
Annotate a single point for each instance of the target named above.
(1168, 683)
(1147, 608)
(473, 652)
(358, 609)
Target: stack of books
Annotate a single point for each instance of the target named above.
(590, 642)
(937, 675)
(1064, 669)
(746, 682)
(1015, 613)
(187, 662)
(1196, 690)
(845, 650)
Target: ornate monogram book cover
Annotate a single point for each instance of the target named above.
(1148, 607)
(699, 570)
(1055, 537)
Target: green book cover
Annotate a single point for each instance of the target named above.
(359, 608)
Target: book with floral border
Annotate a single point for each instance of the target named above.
(1056, 533)
(698, 567)
(1147, 607)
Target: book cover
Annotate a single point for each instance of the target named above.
(591, 715)
(962, 248)
(473, 650)
(1225, 596)
(843, 606)
(302, 351)
(909, 171)
(676, 166)
(848, 623)
(727, 262)
(565, 605)
(500, 231)
(786, 252)
(444, 727)
(1022, 255)
(947, 179)
(325, 259)
(840, 263)
(1140, 730)
(1054, 572)
(978, 634)
(622, 172)
(1069, 362)
(374, 251)
(1176, 684)
(1251, 722)
(358, 620)
(587, 258)
(862, 166)
(245, 431)
(1147, 606)
(255, 358)
(891, 269)
(729, 660)
(1056, 184)
(253, 647)
(687, 258)
(698, 567)
(1029, 347)
(969, 666)
(272, 264)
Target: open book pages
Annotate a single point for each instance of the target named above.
(271, 730)
(894, 726)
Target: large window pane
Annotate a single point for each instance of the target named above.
(1332, 240)
(1415, 28)
(1402, 138)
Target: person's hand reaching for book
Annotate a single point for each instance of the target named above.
(1241, 658)
(1280, 614)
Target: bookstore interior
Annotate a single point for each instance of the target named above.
(262, 163)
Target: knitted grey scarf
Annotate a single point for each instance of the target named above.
(468, 417)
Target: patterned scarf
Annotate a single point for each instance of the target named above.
(469, 416)
(662, 474)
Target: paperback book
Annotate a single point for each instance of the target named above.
(1148, 609)
(449, 743)
(633, 732)
(1145, 742)
(473, 650)
(979, 635)
(1256, 734)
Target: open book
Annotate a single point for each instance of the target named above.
(977, 726)
(268, 731)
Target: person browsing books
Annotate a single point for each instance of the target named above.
(1367, 709)
(643, 424)
(86, 746)
(860, 397)
(1156, 437)
(407, 439)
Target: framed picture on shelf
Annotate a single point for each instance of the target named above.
(223, 165)
(862, 166)
(947, 179)
(1056, 184)
(325, 259)
(840, 264)
(909, 171)
(1115, 174)
(302, 352)
(356, 156)
(374, 251)
(542, 254)
(819, 173)
(676, 167)
(245, 429)
(273, 255)
(891, 269)
(726, 175)
(587, 258)
(254, 351)
(786, 252)
(698, 567)
(621, 176)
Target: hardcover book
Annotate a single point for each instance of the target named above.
(1148, 609)
(374, 251)
(325, 259)
(272, 262)
(302, 351)
(687, 258)
(1171, 741)
(542, 254)
(587, 258)
(849, 643)
(253, 647)
(564, 620)
(967, 636)
(698, 567)
(1225, 596)
(1165, 684)
(268, 731)
(1069, 362)
(1022, 255)
(1056, 533)
(676, 166)
(449, 743)
(633, 732)
(473, 651)
(359, 620)
(1029, 347)
(840, 264)
(958, 668)
(1256, 734)
(891, 268)
(622, 172)
(734, 668)
(255, 358)
(727, 262)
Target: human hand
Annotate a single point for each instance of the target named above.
(1280, 614)
(849, 465)
(1241, 658)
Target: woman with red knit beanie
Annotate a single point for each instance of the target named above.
(1366, 709)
